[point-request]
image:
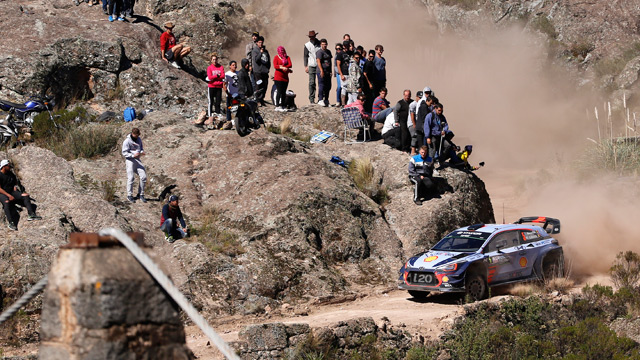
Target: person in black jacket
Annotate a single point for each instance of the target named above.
(245, 89)
(260, 67)
(401, 112)
(10, 193)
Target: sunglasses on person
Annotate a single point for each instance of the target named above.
(338, 48)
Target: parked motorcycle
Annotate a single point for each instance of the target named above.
(8, 129)
(246, 111)
(24, 114)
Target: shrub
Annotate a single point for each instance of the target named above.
(286, 130)
(545, 26)
(108, 188)
(618, 155)
(217, 240)
(464, 4)
(365, 179)
(87, 142)
(625, 272)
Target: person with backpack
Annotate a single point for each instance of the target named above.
(215, 79)
(132, 151)
(282, 65)
(10, 193)
(171, 215)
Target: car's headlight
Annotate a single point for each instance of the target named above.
(450, 267)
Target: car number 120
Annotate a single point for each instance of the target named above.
(422, 278)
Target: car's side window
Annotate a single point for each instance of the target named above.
(529, 236)
(503, 240)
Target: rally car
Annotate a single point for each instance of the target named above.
(472, 259)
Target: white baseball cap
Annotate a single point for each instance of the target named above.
(4, 163)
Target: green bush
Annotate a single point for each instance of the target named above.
(88, 141)
(215, 238)
(625, 271)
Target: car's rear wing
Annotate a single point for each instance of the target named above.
(550, 225)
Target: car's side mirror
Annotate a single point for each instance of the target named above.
(501, 244)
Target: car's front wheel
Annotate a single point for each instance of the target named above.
(476, 286)
(419, 295)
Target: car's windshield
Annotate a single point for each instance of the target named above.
(462, 241)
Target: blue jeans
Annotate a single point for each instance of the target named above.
(169, 229)
(339, 89)
(382, 115)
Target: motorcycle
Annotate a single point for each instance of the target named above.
(8, 129)
(246, 111)
(24, 114)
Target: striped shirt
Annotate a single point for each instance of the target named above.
(377, 105)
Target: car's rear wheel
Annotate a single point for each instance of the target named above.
(418, 294)
(553, 266)
(476, 286)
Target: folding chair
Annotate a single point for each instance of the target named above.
(353, 120)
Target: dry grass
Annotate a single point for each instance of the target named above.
(525, 289)
(364, 176)
(214, 237)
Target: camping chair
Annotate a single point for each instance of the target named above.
(353, 120)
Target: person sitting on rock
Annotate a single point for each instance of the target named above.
(10, 192)
(461, 161)
(391, 131)
(171, 215)
(171, 51)
(421, 173)
(381, 107)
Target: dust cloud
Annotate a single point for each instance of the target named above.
(499, 94)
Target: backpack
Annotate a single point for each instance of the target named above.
(129, 114)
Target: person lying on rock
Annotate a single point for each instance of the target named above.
(10, 193)
(421, 173)
(461, 161)
(170, 50)
(171, 214)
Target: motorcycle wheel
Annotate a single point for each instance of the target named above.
(241, 126)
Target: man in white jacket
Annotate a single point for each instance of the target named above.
(132, 151)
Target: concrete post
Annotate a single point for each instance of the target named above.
(100, 303)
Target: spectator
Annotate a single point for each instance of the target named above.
(437, 130)
(343, 70)
(359, 103)
(363, 56)
(411, 123)
(421, 173)
(381, 107)
(132, 151)
(353, 86)
(261, 66)
(323, 57)
(245, 89)
(381, 71)
(10, 193)
(105, 9)
(127, 8)
(311, 66)
(461, 161)
(249, 50)
(231, 85)
(215, 79)
(339, 82)
(115, 8)
(282, 65)
(391, 132)
(171, 215)
(171, 51)
(425, 106)
(369, 71)
(401, 112)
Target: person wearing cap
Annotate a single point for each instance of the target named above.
(170, 50)
(132, 151)
(311, 66)
(10, 193)
(171, 215)
(411, 123)
(260, 67)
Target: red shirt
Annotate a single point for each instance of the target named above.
(281, 75)
(215, 75)
(167, 41)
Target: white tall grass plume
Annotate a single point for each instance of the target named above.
(595, 109)
(624, 99)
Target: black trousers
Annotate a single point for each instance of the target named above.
(264, 86)
(8, 208)
(326, 87)
(425, 184)
(215, 98)
(281, 92)
(392, 138)
(405, 136)
(127, 7)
